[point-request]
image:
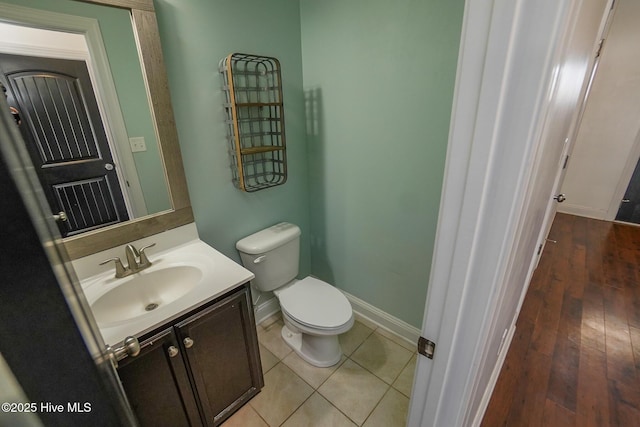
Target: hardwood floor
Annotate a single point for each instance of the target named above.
(575, 356)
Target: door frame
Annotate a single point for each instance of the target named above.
(26, 183)
(504, 76)
(101, 79)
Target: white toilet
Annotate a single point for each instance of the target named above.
(314, 312)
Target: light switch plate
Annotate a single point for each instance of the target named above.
(137, 144)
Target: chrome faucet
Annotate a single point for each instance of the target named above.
(137, 260)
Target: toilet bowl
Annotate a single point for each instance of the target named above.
(314, 312)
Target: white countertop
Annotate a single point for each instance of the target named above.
(220, 275)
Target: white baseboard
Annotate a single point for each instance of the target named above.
(384, 320)
(266, 309)
(486, 397)
(582, 211)
(361, 309)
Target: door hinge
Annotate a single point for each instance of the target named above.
(426, 348)
(600, 45)
(566, 160)
(539, 249)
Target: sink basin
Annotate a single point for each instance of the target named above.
(144, 292)
(183, 276)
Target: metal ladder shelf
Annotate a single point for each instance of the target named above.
(255, 120)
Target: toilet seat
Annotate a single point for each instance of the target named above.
(316, 304)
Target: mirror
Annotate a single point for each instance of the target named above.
(50, 118)
(169, 206)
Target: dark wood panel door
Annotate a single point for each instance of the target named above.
(630, 205)
(157, 384)
(221, 348)
(66, 139)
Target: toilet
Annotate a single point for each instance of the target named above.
(314, 312)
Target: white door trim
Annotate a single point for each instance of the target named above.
(504, 77)
(102, 81)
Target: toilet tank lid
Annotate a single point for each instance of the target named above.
(269, 238)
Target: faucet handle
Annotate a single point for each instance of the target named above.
(120, 270)
(144, 261)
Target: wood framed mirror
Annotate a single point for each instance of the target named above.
(147, 39)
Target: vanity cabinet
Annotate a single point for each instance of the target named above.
(157, 384)
(199, 369)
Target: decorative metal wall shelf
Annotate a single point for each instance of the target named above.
(255, 120)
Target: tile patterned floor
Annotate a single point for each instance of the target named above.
(369, 387)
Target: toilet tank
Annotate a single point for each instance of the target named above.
(272, 255)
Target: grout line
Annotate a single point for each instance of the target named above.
(340, 364)
(299, 406)
(259, 415)
(376, 405)
(373, 373)
(402, 370)
(338, 409)
(363, 341)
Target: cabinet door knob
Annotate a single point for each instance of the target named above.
(173, 351)
(188, 342)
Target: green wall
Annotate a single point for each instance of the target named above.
(366, 131)
(379, 79)
(196, 35)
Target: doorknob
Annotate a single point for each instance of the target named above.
(60, 216)
(130, 348)
(560, 198)
(108, 166)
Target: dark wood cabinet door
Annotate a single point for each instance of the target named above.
(157, 384)
(221, 347)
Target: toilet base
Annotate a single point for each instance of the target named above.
(319, 350)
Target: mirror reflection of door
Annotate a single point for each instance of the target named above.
(61, 125)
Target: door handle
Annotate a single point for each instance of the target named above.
(61, 216)
(130, 348)
(560, 198)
